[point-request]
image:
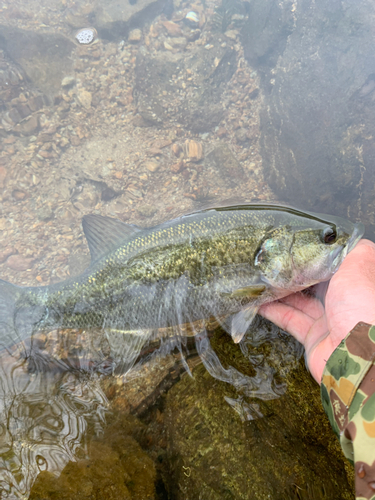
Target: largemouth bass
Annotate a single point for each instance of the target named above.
(217, 263)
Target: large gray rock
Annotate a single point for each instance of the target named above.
(317, 62)
(114, 19)
(45, 58)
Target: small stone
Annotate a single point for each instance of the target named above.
(176, 149)
(176, 167)
(36, 103)
(3, 223)
(28, 126)
(168, 46)
(45, 213)
(68, 81)
(178, 42)
(108, 194)
(14, 115)
(18, 194)
(63, 142)
(241, 135)
(232, 34)
(151, 166)
(172, 28)
(146, 210)
(154, 151)
(19, 263)
(23, 110)
(135, 36)
(193, 150)
(221, 132)
(85, 98)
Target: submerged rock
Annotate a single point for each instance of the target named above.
(44, 57)
(115, 468)
(114, 19)
(317, 122)
(281, 449)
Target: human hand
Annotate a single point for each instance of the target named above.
(350, 299)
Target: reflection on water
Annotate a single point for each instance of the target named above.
(45, 417)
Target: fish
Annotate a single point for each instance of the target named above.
(220, 263)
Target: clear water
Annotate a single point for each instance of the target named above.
(148, 114)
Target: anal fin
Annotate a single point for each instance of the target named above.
(241, 322)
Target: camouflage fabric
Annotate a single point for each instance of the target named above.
(348, 396)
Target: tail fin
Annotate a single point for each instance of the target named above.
(16, 321)
(8, 297)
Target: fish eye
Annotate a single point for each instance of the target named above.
(329, 235)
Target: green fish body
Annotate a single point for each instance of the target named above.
(223, 262)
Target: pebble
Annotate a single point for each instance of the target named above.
(151, 166)
(85, 98)
(176, 167)
(178, 42)
(172, 28)
(193, 150)
(28, 126)
(222, 132)
(176, 149)
(232, 34)
(168, 46)
(18, 194)
(68, 81)
(45, 213)
(19, 263)
(241, 135)
(146, 210)
(135, 36)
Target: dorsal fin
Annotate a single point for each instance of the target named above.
(103, 234)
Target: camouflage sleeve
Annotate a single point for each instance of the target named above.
(348, 396)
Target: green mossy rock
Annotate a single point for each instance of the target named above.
(290, 452)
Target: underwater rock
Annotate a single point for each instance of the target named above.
(272, 449)
(114, 19)
(318, 116)
(224, 161)
(44, 57)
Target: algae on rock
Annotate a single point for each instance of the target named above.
(287, 450)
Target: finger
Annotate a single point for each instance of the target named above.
(290, 319)
(305, 303)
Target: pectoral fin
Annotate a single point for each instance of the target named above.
(241, 322)
(246, 291)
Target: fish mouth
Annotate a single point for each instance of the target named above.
(342, 252)
(358, 232)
